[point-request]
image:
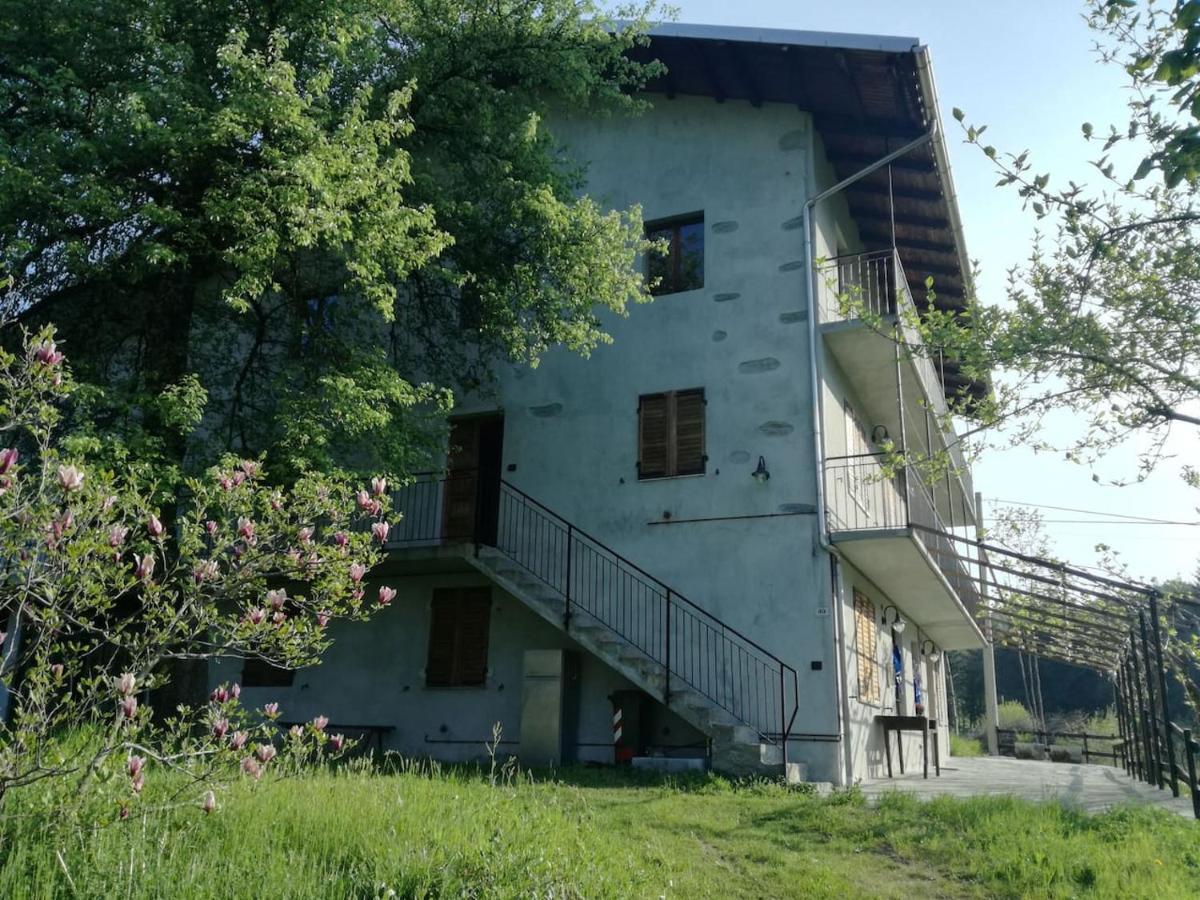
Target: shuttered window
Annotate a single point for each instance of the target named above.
(866, 641)
(671, 434)
(458, 637)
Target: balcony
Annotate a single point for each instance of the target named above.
(901, 384)
(888, 526)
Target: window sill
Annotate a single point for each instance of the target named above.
(670, 477)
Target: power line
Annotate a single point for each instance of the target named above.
(1112, 522)
(1091, 512)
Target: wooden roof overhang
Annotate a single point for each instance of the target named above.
(865, 95)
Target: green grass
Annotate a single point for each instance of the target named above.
(588, 833)
(961, 745)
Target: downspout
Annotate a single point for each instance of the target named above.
(815, 379)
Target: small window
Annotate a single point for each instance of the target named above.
(260, 673)
(458, 637)
(682, 268)
(866, 640)
(671, 434)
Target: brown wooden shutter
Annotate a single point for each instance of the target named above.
(654, 434)
(689, 432)
(866, 642)
(458, 637)
(443, 615)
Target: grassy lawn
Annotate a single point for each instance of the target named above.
(588, 833)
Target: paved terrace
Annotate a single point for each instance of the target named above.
(1090, 787)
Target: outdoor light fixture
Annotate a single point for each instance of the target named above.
(932, 653)
(879, 434)
(761, 474)
(897, 623)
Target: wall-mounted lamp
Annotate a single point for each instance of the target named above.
(760, 474)
(897, 623)
(932, 654)
(879, 434)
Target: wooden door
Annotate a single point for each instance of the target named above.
(471, 503)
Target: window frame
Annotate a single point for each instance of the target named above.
(672, 281)
(671, 469)
(459, 595)
(866, 658)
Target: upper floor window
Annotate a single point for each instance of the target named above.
(682, 268)
(671, 434)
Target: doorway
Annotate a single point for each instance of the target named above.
(472, 501)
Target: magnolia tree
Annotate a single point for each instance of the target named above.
(98, 594)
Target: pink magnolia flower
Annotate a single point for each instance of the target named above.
(356, 594)
(211, 527)
(126, 684)
(144, 567)
(276, 598)
(134, 765)
(364, 500)
(296, 731)
(305, 535)
(8, 459)
(3, 637)
(220, 728)
(209, 803)
(265, 753)
(271, 710)
(341, 539)
(250, 467)
(47, 353)
(155, 527)
(70, 478)
(109, 502)
(117, 535)
(337, 741)
(239, 478)
(238, 739)
(279, 618)
(246, 529)
(256, 616)
(129, 707)
(276, 502)
(320, 722)
(322, 619)
(225, 482)
(251, 767)
(357, 571)
(235, 690)
(379, 530)
(6, 481)
(378, 486)
(386, 595)
(219, 694)
(206, 570)
(57, 671)
(137, 783)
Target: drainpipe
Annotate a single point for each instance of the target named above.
(843, 707)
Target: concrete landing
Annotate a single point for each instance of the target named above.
(1090, 787)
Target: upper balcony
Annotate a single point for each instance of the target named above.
(866, 311)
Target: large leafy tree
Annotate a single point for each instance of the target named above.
(333, 214)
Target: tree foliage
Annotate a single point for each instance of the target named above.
(98, 596)
(334, 213)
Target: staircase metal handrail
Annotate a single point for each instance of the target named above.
(671, 597)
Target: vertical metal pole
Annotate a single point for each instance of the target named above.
(1122, 725)
(1140, 704)
(900, 413)
(567, 591)
(1162, 693)
(1151, 711)
(1189, 752)
(783, 738)
(667, 672)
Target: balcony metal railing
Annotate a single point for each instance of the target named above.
(862, 495)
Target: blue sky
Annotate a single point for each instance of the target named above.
(1026, 70)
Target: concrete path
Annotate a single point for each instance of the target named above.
(1091, 787)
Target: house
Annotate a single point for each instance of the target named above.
(686, 545)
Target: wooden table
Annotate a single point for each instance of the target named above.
(910, 723)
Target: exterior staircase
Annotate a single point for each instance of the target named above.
(721, 682)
